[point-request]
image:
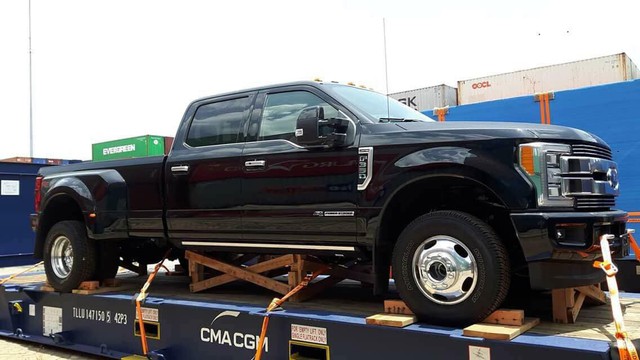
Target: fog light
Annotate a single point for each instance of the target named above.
(571, 234)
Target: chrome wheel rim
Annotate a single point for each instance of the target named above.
(445, 270)
(61, 257)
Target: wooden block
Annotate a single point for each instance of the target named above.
(47, 288)
(101, 290)
(394, 320)
(89, 285)
(506, 317)
(111, 282)
(560, 305)
(499, 332)
(396, 307)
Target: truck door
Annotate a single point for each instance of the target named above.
(295, 197)
(204, 173)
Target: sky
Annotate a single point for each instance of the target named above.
(105, 70)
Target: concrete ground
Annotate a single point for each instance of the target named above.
(21, 350)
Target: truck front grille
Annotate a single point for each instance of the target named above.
(591, 151)
(590, 203)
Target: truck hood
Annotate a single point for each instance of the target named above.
(475, 131)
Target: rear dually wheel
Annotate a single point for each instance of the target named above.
(69, 256)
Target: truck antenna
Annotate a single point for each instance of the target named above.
(386, 72)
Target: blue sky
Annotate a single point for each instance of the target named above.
(105, 70)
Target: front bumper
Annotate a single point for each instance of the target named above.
(561, 247)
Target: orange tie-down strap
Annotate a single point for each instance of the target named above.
(275, 303)
(626, 349)
(141, 297)
(634, 246)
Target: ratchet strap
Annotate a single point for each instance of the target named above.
(276, 303)
(19, 273)
(140, 297)
(626, 349)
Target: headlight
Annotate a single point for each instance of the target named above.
(541, 163)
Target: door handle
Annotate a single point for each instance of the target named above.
(180, 169)
(254, 163)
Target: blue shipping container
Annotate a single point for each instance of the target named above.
(612, 112)
(17, 181)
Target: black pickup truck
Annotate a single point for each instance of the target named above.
(458, 210)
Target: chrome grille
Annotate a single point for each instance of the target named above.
(591, 151)
(595, 202)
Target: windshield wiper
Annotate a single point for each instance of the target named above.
(393, 119)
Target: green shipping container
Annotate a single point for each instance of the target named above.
(141, 146)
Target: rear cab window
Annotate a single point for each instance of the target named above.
(218, 122)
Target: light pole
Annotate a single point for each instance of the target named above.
(30, 91)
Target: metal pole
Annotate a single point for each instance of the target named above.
(30, 91)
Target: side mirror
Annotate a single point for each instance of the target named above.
(312, 129)
(307, 126)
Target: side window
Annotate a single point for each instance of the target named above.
(281, 111)
(218, 123)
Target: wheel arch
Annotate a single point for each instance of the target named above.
(454, 188)
(58, 207)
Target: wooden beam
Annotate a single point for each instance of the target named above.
(560, 305)
(572, 312)
(241, 273)
(594, 293)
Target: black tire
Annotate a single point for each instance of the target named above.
(442, 236)
(108, 260)
(68, 237)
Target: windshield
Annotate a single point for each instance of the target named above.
(378, 106)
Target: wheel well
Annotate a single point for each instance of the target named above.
(58, 209)
(448, 193)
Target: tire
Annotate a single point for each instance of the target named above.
(108, 261)
(69, 256)
(465, 271)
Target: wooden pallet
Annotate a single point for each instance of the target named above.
(263, 269)
(567, 303)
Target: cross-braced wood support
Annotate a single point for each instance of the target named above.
(262, 272)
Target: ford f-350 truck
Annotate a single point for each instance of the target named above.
(457, 210)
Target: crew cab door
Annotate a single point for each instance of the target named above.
(296, 197)
(204, 173)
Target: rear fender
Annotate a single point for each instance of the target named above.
(101, 196)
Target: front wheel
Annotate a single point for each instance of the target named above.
(450, 268)
(69, 256)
